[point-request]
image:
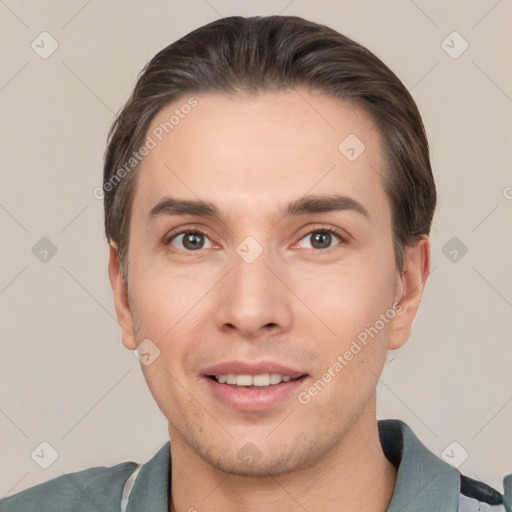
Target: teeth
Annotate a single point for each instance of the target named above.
(244, 380)
(262, 380)
(275, 378)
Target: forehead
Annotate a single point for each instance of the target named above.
(252, 151)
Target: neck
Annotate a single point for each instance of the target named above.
(354, 475)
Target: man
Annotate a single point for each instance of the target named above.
(268, 200)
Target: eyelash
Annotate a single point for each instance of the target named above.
(324, 229)
(172, 235)
(315, 229)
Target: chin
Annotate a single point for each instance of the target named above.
(261, 458)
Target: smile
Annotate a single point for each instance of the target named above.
(261, 380)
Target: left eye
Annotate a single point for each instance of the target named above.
(191, 241)
(320, 239)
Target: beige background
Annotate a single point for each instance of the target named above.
(65, 377)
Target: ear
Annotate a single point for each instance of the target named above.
(411, 285)
(121, 302)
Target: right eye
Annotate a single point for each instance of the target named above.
(190, 241)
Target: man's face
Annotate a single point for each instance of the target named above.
(256, 289)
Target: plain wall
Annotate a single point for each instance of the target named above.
(65, 377)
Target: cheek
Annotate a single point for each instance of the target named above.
(163, 315)
(347, 298)
(165, 298)
(350, 300)
(170, 309)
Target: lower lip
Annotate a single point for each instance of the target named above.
(252, 399)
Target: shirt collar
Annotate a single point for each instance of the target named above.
(424, 482)
(150, 491)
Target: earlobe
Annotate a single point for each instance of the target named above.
(412, 282)
(121, 302)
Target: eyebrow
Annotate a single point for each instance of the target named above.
(168, 206)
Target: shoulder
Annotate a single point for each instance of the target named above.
(430, 482)
(97, 488)
(476, 496)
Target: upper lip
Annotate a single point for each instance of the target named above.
(246, 368)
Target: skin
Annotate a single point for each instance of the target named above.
(297, 305)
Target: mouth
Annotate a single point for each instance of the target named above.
(253, 387)
(262, 380)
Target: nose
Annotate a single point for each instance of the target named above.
(253, 301)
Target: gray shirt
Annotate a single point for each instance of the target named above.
(424, 483)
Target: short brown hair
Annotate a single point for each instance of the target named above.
(257, 54)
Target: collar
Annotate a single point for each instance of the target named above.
(424, 482)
